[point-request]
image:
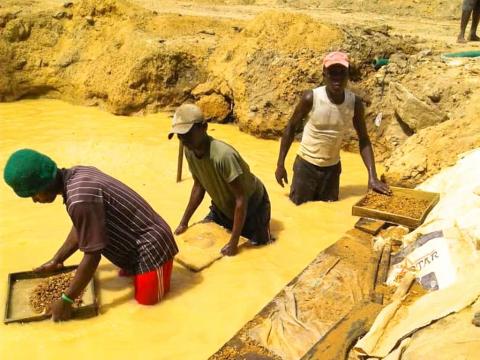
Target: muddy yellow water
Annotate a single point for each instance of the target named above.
(203, 310)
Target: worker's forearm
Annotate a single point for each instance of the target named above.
(84, 274)
(196, 198)
(368, 158)
(68, 248)
(238, 219)
(285, 144)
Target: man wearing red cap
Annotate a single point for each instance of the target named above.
(329, 111)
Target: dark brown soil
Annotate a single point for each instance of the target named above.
(51, 290)
(395, 204)
(248, 349)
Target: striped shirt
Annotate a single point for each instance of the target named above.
(112, 218)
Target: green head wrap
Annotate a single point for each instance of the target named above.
(29, 172)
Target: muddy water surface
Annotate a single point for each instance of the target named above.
(202, 310)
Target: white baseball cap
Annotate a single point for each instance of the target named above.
(185, 117)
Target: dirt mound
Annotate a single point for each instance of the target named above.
(413, 92)
(127, 60)
(277, 56)
(432, 149)
(97, 53)
(267, 63)
(287, 33)
(178, 26)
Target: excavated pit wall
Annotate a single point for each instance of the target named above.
(129, 60)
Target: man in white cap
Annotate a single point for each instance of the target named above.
(240, 202)
(329, 111)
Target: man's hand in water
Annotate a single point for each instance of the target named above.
(281, 175)
(231, 249)
(49, 266)
(60, 310)
(380, 187)
(181, 229)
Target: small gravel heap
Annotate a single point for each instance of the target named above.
(50, 290)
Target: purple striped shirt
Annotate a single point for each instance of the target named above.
(112, 218)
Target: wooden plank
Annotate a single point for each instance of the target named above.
(382, 272)
(376, 261)
(7, 303)
(370, 226)
(180, 161)
(384, 264)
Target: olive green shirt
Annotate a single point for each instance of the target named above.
(217, 168)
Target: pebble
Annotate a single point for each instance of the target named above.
(60, 15)
(20, 64)
(435, 97)
(207, 32)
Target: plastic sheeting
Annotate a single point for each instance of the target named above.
(453, 337)
(314, 303)
(456, 216)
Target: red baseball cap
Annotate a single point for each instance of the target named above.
(336, 57)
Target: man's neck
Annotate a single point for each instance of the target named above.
(203, 149)
(59, 183)
(336, 98)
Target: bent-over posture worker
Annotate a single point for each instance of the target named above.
(240, 202)
(329, 111)
(109, 219)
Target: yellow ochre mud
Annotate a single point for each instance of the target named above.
(203, 310)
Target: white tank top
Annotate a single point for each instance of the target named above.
(326, 125)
